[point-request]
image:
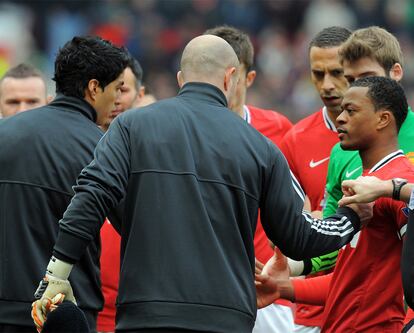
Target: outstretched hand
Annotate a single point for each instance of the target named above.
(268, 278)
(364, 190)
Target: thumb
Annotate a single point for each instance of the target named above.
(347, 200)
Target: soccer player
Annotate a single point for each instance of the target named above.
(42, 153)
(365, 292)
(367, 189)
(369, 51)
(308, 144)
(21, 88)
(275, 318)
(191, 175)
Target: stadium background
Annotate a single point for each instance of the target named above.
(155, 31)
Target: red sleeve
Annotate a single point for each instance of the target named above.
(398, 213)
(288, 151)
(312, 291)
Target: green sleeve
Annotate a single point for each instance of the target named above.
(342, 165)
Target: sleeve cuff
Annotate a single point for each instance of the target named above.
(69, 248)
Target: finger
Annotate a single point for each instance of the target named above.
(281, 258)
(262, 278)
(37, 315)
(347, 200)
(258, 266)
(350, 183)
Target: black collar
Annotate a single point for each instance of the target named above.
(74, 104)
(203, 91)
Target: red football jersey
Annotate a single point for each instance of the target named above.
(110, 261)
(366, 292)
(307, 147)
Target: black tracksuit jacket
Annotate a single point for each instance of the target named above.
(193, 175)
(42, 152)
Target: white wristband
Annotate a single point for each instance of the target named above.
(296, 267)
(58, 268)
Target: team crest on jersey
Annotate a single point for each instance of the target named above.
(405, 211)
(410, 156)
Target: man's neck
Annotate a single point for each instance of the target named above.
(240, 111)
(373, 155)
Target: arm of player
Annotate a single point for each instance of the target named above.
(100, 187)
(295, 232)
(368, 189)
(407, 257)
(272, 282)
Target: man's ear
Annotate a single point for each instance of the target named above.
(49, 98)
(229, 75)
(396, 72)
(250, 77)
(385, 117)
(141, 91)
(92, 89)
(180, 79)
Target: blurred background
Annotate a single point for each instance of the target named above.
(155, 32)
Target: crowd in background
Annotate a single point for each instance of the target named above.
(155, 32)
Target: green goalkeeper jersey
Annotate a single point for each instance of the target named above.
(346, 164)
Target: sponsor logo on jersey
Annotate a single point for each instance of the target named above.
(313, 164)
(349, 174)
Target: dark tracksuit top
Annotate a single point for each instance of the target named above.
(193, 175)
(42, 152)
(407, 258)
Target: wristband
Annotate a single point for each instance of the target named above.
(397, 184)
(58, 268)
(295, 267)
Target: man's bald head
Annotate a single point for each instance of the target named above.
(208, 59)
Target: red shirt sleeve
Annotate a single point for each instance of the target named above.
(312, 291)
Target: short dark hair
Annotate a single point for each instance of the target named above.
(385, 93)
(85, 58)
(136, 70)
(239, 41)
(330, 37)
(23, 71)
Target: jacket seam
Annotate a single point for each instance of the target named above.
(202, 180)
(35, 185)
(185, 303)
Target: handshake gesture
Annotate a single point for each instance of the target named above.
(52, 290)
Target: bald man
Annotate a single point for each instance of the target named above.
(192, 175)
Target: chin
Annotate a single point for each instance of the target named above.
(347, 146)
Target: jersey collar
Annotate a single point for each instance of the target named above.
(387, 159)
(246, 115)
(328, 122)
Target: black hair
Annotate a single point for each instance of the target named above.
(330, 37)
(136, 70)
(386, 93)
(85, 58)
